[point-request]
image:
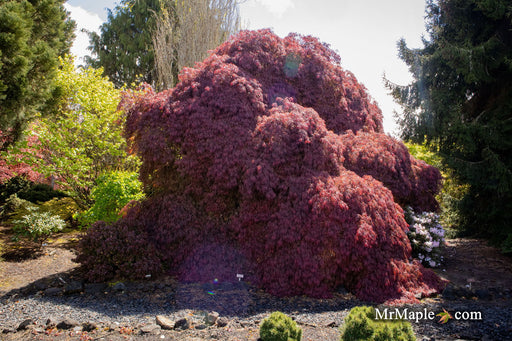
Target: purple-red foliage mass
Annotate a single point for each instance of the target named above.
(269, 159)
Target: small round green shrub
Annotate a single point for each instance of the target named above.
(279, 327)
(38, 226)
(360, 324)
(65, 208)
(113, 191)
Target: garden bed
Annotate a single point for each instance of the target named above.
(49, 287)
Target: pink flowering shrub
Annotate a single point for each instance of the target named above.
(269, 159)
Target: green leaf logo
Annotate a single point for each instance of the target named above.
(444, 316)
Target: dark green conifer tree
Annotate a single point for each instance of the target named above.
(32, 36)
(460, 102)
(124, 48)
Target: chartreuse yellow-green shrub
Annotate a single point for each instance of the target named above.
(360, 324)
(82, 138)
(452, 191)
(113, 191)
(279, 327)
(64, 208)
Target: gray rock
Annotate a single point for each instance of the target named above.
(201, 326)
(89, 326)
(222, 322)
(119, 287)
(182, 324)
(67, 324)
(246, 324)
(211, 318)
(74, 287)
(38, 330)
(331, 323)
(152, 329)
(24, 325)
(77, 329)
(52, 292)
(164, 322)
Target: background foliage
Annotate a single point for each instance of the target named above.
(152, 40)
(452, 192)
(186, 30)
(124, 47)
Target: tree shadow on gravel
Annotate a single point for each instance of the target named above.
(22, 254)
(167, 296)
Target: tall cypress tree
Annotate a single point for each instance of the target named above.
(32, 36)
(124, 47)
(460, 101)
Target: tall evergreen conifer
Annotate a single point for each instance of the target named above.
(124, 48)
(32, 36)
(460, 101)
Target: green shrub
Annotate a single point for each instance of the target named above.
(13, 186)
(15, 208)
(113, 191)
(38, 226)
(64, 208)
(360, 324)
(279, 327)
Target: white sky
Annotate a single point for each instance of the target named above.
(364, 32)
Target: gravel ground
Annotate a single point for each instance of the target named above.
(128, 311)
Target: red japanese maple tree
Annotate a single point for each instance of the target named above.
(269, 159)
(19, 168)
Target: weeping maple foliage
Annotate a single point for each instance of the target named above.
(14, 164)
(269, 160)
